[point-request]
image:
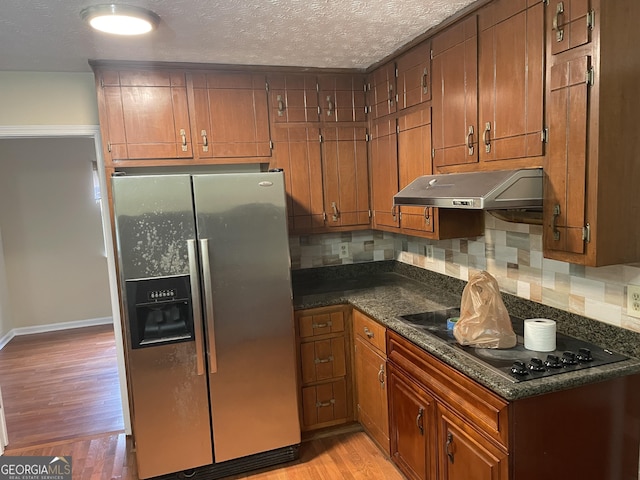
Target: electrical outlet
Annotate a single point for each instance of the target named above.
(428, 252)
(633, 300)
(343, 250)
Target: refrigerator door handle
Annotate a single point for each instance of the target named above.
(208, 305)
(196, 304)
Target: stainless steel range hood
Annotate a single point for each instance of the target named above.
(499, 190)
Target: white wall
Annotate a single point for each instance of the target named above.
(51, 230)
(46, 98)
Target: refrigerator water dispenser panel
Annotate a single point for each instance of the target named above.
(160, 311)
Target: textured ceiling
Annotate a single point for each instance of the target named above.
(48, 35)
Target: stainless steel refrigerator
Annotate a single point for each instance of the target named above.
(205, 282)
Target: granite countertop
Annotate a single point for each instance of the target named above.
(386, 290)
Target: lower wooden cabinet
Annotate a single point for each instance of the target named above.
(442, 425)
(324, 359)
(371, 378)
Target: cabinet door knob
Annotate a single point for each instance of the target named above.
(425, 82)
(336, 213)
(205, 141)
(381, 375)
(486, 137)
(280, 105)
(470, 140)
(554, 222)
(183, 135)
(330, 106)
(368, 332)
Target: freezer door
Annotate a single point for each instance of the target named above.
(242, 224)
(170, 405)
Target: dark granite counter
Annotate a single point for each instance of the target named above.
(386, 290)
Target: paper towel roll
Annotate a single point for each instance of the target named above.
(540, 334)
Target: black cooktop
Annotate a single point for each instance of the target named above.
(519, 364)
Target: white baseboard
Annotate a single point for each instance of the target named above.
(52, 327)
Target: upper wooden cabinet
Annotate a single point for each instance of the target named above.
(455, 94)
(384, 172)
(591, 172)
(381, 88)
(571, 22)
(144, 114)
(293, 98)
(345, 176)
(342, 98)
(414, 76)
(230, 115)
(511, 79)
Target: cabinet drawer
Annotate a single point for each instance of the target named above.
(479, 406)
(370, 331)
(325, 404)
(323, 359)
(321, 323)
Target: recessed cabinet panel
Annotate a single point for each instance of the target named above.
(231, 115)
(384, 173)
(145, 115)
(455, 94)
(346, 176)
(414, 76)
(566, 168)
(293, 98)
(325, 403)
(570, 25)
(297, 152)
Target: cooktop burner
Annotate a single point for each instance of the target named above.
(519, 364)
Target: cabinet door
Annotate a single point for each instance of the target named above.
(455, 94)
(414, 76)
(465, 455)
(570, 24)
(297, 152)
(371, 388)
(342, 98)
(384, 173)
(146, 115)
(345, 176)
(231, 116)
(294, 98)
(323, 359)
(324, 405)
(566, 166)
(511, 79)
(411, 427)
(382, 91)
(414, 160)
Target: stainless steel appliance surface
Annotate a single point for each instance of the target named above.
(519, 364)
(210, 347)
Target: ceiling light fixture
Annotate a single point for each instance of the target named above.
(120, 19)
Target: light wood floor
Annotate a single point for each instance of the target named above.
(61, 398)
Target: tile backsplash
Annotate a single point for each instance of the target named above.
(511, 252)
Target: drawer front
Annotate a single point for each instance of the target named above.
(324, 404)
(323, 359)
(321, 323)
(370, 331)
(479, 406)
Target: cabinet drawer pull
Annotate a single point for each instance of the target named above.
(470, 140)
(324, 360)
(419, 420)
(325, 404)
(280, 105)
(393, 211)
(425, 84)
(556, 22)
(486, 137)
(381, 375)
(448, 446)
(368, 332)
(205, 141)
(321, 325)
(183, 135)
(427, 216)
(391, 95)
(554, 222)
(336, 213)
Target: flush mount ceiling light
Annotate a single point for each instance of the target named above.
(120, 19)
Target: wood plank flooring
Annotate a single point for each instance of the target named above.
(61, 398)
(60, 385)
